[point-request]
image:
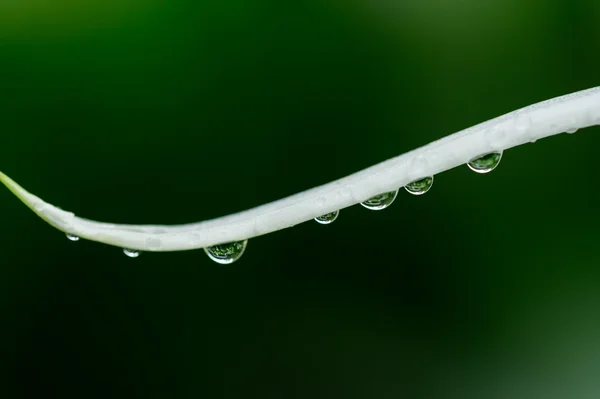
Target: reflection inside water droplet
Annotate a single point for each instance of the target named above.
(226, 254)
(132, 253)
(380, 201)
(485, 163)
(420, 186)
(328, 218)
(72, 237)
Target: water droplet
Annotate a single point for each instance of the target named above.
(72, 237)
(380, 201)
(420, 186)
(226, 254)
(328, 218)
(570, 126)
(485, 163)
(132, 253)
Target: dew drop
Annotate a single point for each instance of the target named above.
(380, 201)
(570, 126)
(328, 218)
(132, 253)
(485, 163)
(226, 254)
(72, 237)
(420, 187)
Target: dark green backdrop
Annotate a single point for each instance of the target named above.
(174, 111)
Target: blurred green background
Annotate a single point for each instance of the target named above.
(174, 111)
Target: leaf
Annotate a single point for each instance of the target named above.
(566, 113)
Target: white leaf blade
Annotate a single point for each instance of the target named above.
(566, 113)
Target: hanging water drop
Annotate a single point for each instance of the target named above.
(570, 126)
(328, 218)
(380, 201)
(485, 163)
(226, 254)
(420, 187)
(72, 237)
(132, 253)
